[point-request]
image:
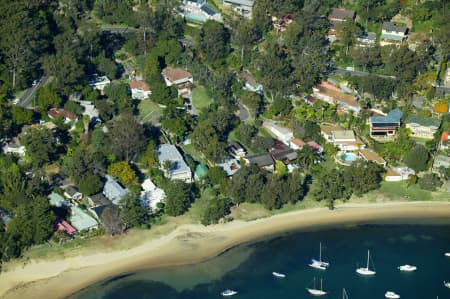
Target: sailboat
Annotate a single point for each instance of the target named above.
(316, 292)
(447, 284)
(366, 270)
(391, 295)
(319, 264)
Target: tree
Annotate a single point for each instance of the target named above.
(216, 176)
(176, 121)
(178, 197)
(262, 143)
(362, 177)
(132, 212)
(126, 137)
(214, 41)
(329, 185)
(111, 221)
(90, 184)
(294, 189)
(417, 159)
(150, 157)
(246, 184)
(348, 32)
(21, 116)
(307, 156)
(280, 106)
(246, 133)
(66, 69)
(216, 209)
(40, 145)
(118, 94)
(205, 139)
(430, 181)
(272, 195)
(246, 35)
(47, 98)
(124, 172)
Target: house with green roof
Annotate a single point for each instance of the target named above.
(392, 34)
(422, 126)
(385, 126)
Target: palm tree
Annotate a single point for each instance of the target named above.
(306, 156)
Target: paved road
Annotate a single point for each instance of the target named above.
(27, 98)
(244, 113)
(119, 30)
(344, 72)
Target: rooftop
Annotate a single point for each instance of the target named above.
(341, 14)
(248, 78)
(260, 160)
(329, 129)
(392, 27)
(208, 10)
(370, 155)
(230, 166)
(241, 2)
(81, 220)
(175, 74)
(344, 135)
(113, 190)
(433, 123)
(57, 200)
(169, 152)
(99, 199)
(394, 37)
(394, 116)
(141, 85)
(57, 112)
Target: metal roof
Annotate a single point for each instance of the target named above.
(169, 152)
(393, 116)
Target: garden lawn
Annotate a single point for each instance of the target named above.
(200, 98)
(149, 111)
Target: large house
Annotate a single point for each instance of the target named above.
(385, 126)
(180, 78)
(199, 11)
(346, 140)
(242, 7)
(422, 126)
(391, 34)
(139, 90)
(283, 134)
(264, 161)
(334, 95)
(151, 195)
(172, 163)
(367, 40)
(337, 16)
(81, 220)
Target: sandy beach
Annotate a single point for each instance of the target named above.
(194, 243)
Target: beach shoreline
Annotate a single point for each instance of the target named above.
(192, 243)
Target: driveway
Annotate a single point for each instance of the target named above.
(27, 98)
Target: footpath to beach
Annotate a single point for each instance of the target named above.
(193, 243)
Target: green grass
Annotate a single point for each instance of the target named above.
(426, 26)
(196, 155)
(200, 98)
(400, 191)
(198, 207)
(148, 110)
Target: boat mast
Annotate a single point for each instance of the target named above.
(368, 256)
(320, 251)
(321, 285)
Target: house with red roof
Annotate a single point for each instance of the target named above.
(140, 90)
(65, 115)
(64, 226)
(180, 78)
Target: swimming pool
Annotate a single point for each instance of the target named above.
(349, 157)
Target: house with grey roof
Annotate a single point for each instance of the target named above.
(367, 40)
(57, 200)
(242, 7)
(171, 162)
(385, 126)
(81, 220)
(230, 166)
(392, 34)
(422, 126)
(264, 161)
(113, 190)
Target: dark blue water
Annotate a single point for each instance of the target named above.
(247, 269)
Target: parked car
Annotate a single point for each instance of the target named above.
(16, 101)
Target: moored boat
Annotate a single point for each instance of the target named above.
(316, 292)
(366, 270)
(319, 264)
(447, 254)
(228, 293)
(407, 268)
(447, 284)
(278, 274)
(391, 295)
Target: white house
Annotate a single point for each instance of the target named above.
(139, 90)
(178, 169)
(151, 195)
(12, 148)
(113, 190)
(283, 134)
(199, 11)
(242, 7)
(98, 82)
(250, 83)
(391, 34)
(346, 140)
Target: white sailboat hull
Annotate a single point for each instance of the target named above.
(391, 295)
(319, 265)
(228, 293)
(365, 271)
(447, 284)
(407, 268)
(316, 292)
(447, 254)
(279, 275)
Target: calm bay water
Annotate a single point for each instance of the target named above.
(247, 269)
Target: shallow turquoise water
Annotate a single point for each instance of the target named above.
(247, 269)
